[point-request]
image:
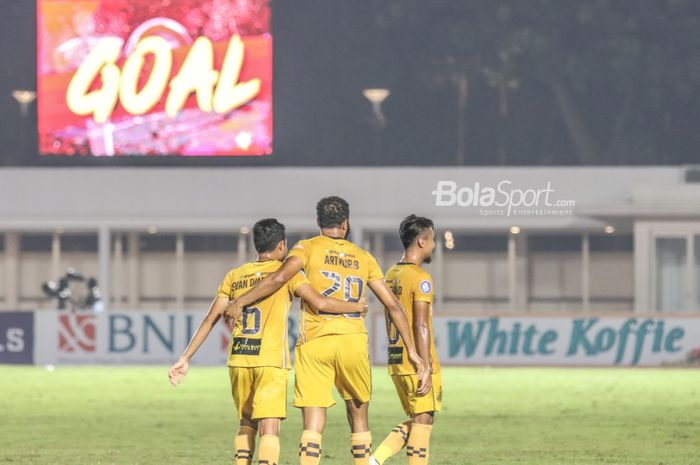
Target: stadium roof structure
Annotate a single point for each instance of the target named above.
(186, 199)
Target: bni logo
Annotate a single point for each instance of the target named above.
(76, 333)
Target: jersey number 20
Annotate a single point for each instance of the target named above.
(348, 289)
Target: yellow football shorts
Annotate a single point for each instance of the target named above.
(406, 386)
(259, 392)
(340, 359)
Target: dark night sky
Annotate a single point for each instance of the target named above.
(325, 54)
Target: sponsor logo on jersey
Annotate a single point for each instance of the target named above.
(245, 346)
(395, 355)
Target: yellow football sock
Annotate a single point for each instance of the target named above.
(418, 441)
(310, 448)
(394, 442)
(269, 450)
(245, 445)
(361, 447)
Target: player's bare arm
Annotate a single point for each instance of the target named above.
(422, 337)
(267, 286)
(179, 370)
(398, 317)
(329, 304)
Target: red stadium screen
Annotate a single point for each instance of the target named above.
(154, 77)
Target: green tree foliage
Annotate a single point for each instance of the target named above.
(620, 77)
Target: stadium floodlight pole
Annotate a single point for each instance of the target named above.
(24, 98)
(376, 96)
(104, 258)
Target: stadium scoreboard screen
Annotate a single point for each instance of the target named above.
(154, 77)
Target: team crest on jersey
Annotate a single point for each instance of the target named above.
(425, 286)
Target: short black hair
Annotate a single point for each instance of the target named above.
(411, 227)
(267, 234)
(331, 212)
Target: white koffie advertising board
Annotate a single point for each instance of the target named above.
(593, 341)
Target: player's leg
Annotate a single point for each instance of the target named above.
(269, 429)
(398, 437)
(360, 437)
(244, 443)
(424, 408)
(354, 383)
(357, 415)
(269, 408)
(392, 443)
(310, 444)
(314, 364)
(314, 418)
(418, 446)
(311, 438)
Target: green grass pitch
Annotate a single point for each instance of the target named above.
(131, 415)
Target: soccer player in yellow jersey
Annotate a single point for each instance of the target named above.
(413, 286)
(259, 352)
(333, 349)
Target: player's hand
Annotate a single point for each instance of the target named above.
(178, 371)
(365, 306)
(423, 372)
(416, 361)
(425, 382)
(228, 322)
(232, 312)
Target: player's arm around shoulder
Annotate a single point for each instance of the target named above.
(267, 286)
(329, 304)
(179, 369)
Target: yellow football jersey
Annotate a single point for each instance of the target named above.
(259, 337)
(336, 268)
(409, 283)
